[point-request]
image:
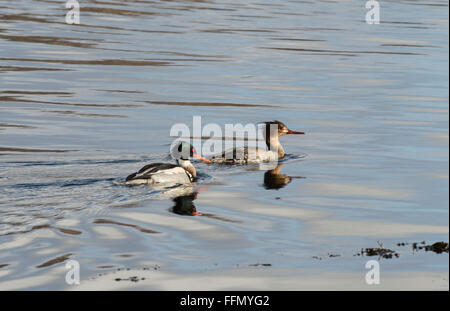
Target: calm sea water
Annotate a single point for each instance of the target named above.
(84, 105)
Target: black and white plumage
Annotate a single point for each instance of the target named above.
(156, 173)
(166, 173)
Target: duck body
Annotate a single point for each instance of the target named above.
(181, 173)
(160, 173)
(244, 155)
(251, 155)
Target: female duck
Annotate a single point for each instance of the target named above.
(248, 155)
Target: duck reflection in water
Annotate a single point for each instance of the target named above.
(184, 205)
(273, 179)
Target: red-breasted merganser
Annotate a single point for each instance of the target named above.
(273, 179)
(249, 155)
(166, 173)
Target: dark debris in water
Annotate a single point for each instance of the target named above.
(386, 253)
(156, 267)
(438, 247)
(134, 279)
(329, 255)
(380, 251)
(260, 264)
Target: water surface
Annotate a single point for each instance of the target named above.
(82, 106)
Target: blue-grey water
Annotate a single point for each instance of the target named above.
(82, 106)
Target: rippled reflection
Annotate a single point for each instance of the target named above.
(274, 180)
(184, 205)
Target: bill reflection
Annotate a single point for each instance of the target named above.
(274, 180)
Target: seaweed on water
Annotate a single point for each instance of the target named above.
(380, 251)
(134, 279)
(438, 247)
